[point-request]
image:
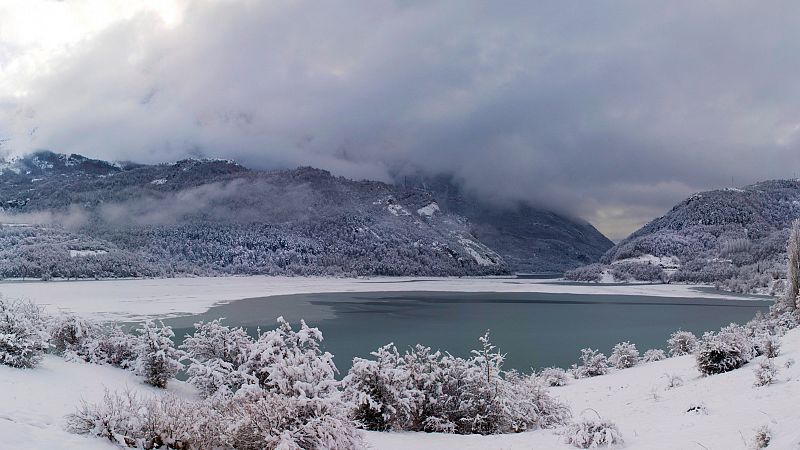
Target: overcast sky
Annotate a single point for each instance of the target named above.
(612, 111)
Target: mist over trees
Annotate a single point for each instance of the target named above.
(70, 217)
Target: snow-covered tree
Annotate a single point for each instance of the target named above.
(592, 364)
(23, 338)
(158, 360)
(73, 337)
(291, 363)
(681, 343)
(624, 355)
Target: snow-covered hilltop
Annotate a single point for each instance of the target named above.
(733, 237)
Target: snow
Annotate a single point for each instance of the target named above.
(398, 210)
(81, 253)
(477, 256)
(33, 402)
(668, 263)
(428, 210)
(650, 415)
(145, 298)
(159, 181)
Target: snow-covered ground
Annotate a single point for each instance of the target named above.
(650, 416)
(138, 298)
(648, 413)
(653, 416)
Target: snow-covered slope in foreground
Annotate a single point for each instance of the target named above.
(649, 414)
(652, 416)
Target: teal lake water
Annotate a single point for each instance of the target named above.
(535, 329)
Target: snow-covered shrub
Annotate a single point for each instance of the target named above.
(266, 420)
(724, 351)
(768, 345)
(527, 405)
(762, 438)
(290, 363)
(23, 336)
(216, 354)
(73, 337)
(681, 343)
(431, 391)
(378, 390)
(765, 373)
(593, 433)
(153, 422)
(116, 347)
(158, 360)
(592, 364)
(553, 376)
(654, 354)
(624, 355)
(789, 363)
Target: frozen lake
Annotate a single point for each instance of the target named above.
(535, 329)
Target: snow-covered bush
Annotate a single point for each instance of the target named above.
(291, 363)
(261, 419)
(528, 405)
(158, 360)
(592, 364)
(216, 354)
(724, 351)
(23, 336)
(762, 438)
(378, 390)
(654, 354)
(593, 433)
(624, 355)
(768, 345)
(147, 423)
(765, 373)
(637, 271)
(73, 337)
(681, 343)
(116, 347)
(76, 338)
(431, 391)
(553, 376)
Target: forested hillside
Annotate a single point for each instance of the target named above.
(733, 237)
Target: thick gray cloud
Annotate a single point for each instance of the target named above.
(612, 111)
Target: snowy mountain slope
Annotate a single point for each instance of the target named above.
(529, 239)
(217, 217)
(736, 237)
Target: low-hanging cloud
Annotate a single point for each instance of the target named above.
(610, 111)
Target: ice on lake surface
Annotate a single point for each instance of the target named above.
(535, 329)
